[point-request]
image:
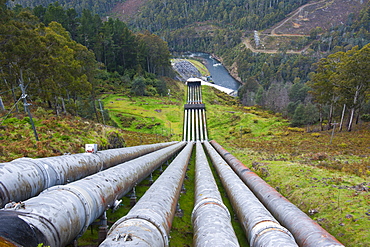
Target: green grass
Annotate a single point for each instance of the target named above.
(337, 198)
(153, 115)
(304, 167)
(200, 66)
(308, 169)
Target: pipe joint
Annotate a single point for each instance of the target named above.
(85, 199)
(206, 201)
(265, 226)
(144, 220)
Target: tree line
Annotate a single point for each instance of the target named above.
(342, 81)
(65, 62)
(307, 89)
(240, 14)
(100, 7)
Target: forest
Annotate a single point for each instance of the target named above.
(279, 82)
(289, 83)
(96, 6)
(122, 59)
(65, 61)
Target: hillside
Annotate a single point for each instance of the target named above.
(60, 135)
(304, 166)
(297, 27)
(325, 173)
(127, 9)
(324, 14)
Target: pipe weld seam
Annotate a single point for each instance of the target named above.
(27, 217)
(210, 201)
(262, 227)
(85, 199)
(44, 166)
(145, 218)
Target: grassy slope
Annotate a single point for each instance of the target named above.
(305, 167)
(329, 179)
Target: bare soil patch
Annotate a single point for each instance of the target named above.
(324, 14)
(126, 10)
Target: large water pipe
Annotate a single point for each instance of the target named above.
(149, 222)
(196, 125)
(185, 128)
(23, 178)
(189, 124)
(261, 228)
(62, 213)
(306, 231)
(193, 124)
(205, 124)
(210, 217)
(201, 126)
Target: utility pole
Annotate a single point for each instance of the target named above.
(101, 110)
(26, 109)
(2, 107)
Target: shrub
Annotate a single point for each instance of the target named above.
(316, 135)
(65, 137)
(365, 117)
(296, 129)
(25, 120)
(11, 120)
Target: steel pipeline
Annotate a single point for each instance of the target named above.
(149, 222)
(210, 217)
(61, 213)
(306, 231)
(23, 178)
(261, 228)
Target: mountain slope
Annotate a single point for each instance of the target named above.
(127, 9)
(324, 14)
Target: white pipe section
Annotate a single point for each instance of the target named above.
(261, 228)
(196, 124)
(61, 213)
(149, 222)
(210, 217)
(193, 124)
(205, 125)
(189, 124)
(185, 125)
(201, 125)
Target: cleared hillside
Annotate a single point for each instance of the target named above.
(323, 13)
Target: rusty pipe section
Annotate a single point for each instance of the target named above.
(261, 228)
(23, 178)
(62, 213)
(210, 217)
(306, 231)
(149, 222)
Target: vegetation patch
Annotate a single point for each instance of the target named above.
(305, 167)
(154, 115)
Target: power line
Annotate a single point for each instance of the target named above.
(24, 96)
(10, 111)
